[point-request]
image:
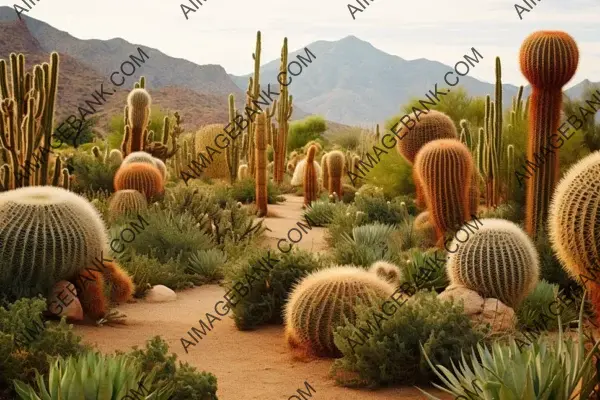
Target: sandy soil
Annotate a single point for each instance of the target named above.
(248, 365)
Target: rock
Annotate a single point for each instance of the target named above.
(500, 316)
(473, 302)
(63, 301)
(160, 294)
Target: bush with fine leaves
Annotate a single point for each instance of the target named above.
(268, 291)
(91, 174)
(321, 212)
(244, 191)
(537, 312)
(378, 209)
(390, 354)
(208, 263)
(367, 244)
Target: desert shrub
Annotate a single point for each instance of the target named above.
(75, 137)
(305, 130)
(148, 271)
(348, 193)
(425, 269)
(393, 173)
(550, 268)
(539, 308)
(389, 354)
(409, 202)
(344, 219)
(348, 139)
(367, 244)
(406, 237)
(91, 174)
(268, 291)
(321, 212)
(208, 264)
(244, 191)
(186, 382)
(378, 209)
(20, 362)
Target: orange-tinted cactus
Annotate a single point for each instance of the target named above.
(445, 170)
(336, 162)
(260, 147)
(144, 178)
(311, 182)
(548, 60)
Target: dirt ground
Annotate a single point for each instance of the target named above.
(248, 365)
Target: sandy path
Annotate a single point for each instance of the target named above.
(248, 365)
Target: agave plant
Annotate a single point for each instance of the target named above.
(320, 212)
(545, 369)
(367, 244)
(93, 376)
(425, 270)
(376, 234)
(208, 263)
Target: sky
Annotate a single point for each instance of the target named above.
(223, 31)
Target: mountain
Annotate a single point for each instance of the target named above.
(352, 82)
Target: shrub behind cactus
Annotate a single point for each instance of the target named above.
(496, 260)
(321, 301)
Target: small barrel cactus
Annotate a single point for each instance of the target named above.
(336, 161)
(139, 157)
(47, 234)
(573, 225)
(242, 171)
(127, 201)
(496, 259)
(321, 301)
(144, 178)
(162, 168)
(387, 271)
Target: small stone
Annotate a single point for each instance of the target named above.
(160, 294)
(500, 316)
(63, 301)
(473, 302)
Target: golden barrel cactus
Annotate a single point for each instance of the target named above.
(495, 259)
(127, 201)
(574, 227)
(145, 178)
(321, 301)
(336, 162)
(209, 159)
(445, 169)
(431, 126)
(548, 60)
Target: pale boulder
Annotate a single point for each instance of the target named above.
(160, 294)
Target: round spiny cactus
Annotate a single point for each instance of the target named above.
(573, 225)
(145, 178)
(496, 260)
(139, 157)
(115, 157)
(162, 168)
(242, 171)
(431, 126)
(321, 301)
(47, 234)
(387, 271)
(336, 162)
(215, 158)
(127, 201)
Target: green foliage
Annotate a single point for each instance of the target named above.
(303, 131)
(425, 269)
(208, 264)
(92, 376)
(393, 173)
(91, 174)
(321, 212)
(117, 127)
(187, 383)
(538, 309)
(77, 136)
(17, 321)
(348, 138)
(268, 290)
(367, 244)
(345, 218)
(378, 209)
(244, 191)
(504, 211)
(550, 268)
(546, 369)
(388, 355)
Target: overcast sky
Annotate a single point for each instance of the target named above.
(223, 31)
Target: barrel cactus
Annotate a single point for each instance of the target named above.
(145, 178)
(386, 271)
(573, 224)
(211, 161)
(127, 201)
(336, 162)
(141, 157)
(548, 60)
(47, 234)
(162, 168)
(496, 259)
(431, 126)
(321, 301)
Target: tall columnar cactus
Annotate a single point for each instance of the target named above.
(445, 169)
(179, 155)
(252, 94)
(497, 259)
(26, 122)
(548, 60)
(311, 181)
(233, 150)
(325, 172)
(138, 106)
(510, 168)
(336, 162)
(284, 113)
(48, 234)
(209, 161)
(573, 225)
(261, 165)
(143, 177)
(465, 135)
(322, 301)
(127, 201)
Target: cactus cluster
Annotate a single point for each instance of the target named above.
(323, 300)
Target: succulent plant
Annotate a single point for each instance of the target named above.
(261, 165)
(573, 224)
(138, 105)
(548, 60)
(242, 171)
(387, 271)
(311, 182)
(335, 166)
(127, 201)
(496, 260)
(213, 158)
(47, 234)
(143, 177)
(324, 172)
(139, 157)
(321, 302)
(445, 169)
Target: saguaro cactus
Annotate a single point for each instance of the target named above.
(311, 182)
(261, 165)
(233, 150)
(336, 162)
(548, 60)
(445, 169)
(284, 113)
(252, 94)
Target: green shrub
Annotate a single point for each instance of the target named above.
(305, 130)
(378, 209)
(367, 244)
(425, 270)
(393, 173)
(208, 264)
(244, 191)
(268, 290)
(344, 219)
(503, 211)
(390, 354)
(407, 237)
(90, 174)
(537, 312)
(551, 270)
(187, 384)
(347, 139)
(321, 212)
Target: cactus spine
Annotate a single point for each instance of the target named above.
(335, 166)
(311, 182)
(233, 150)
(261, 165)
(498, 260)
(445, 169)
(127, 201)
(143, 177)
(548, 60)
(284, 113)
